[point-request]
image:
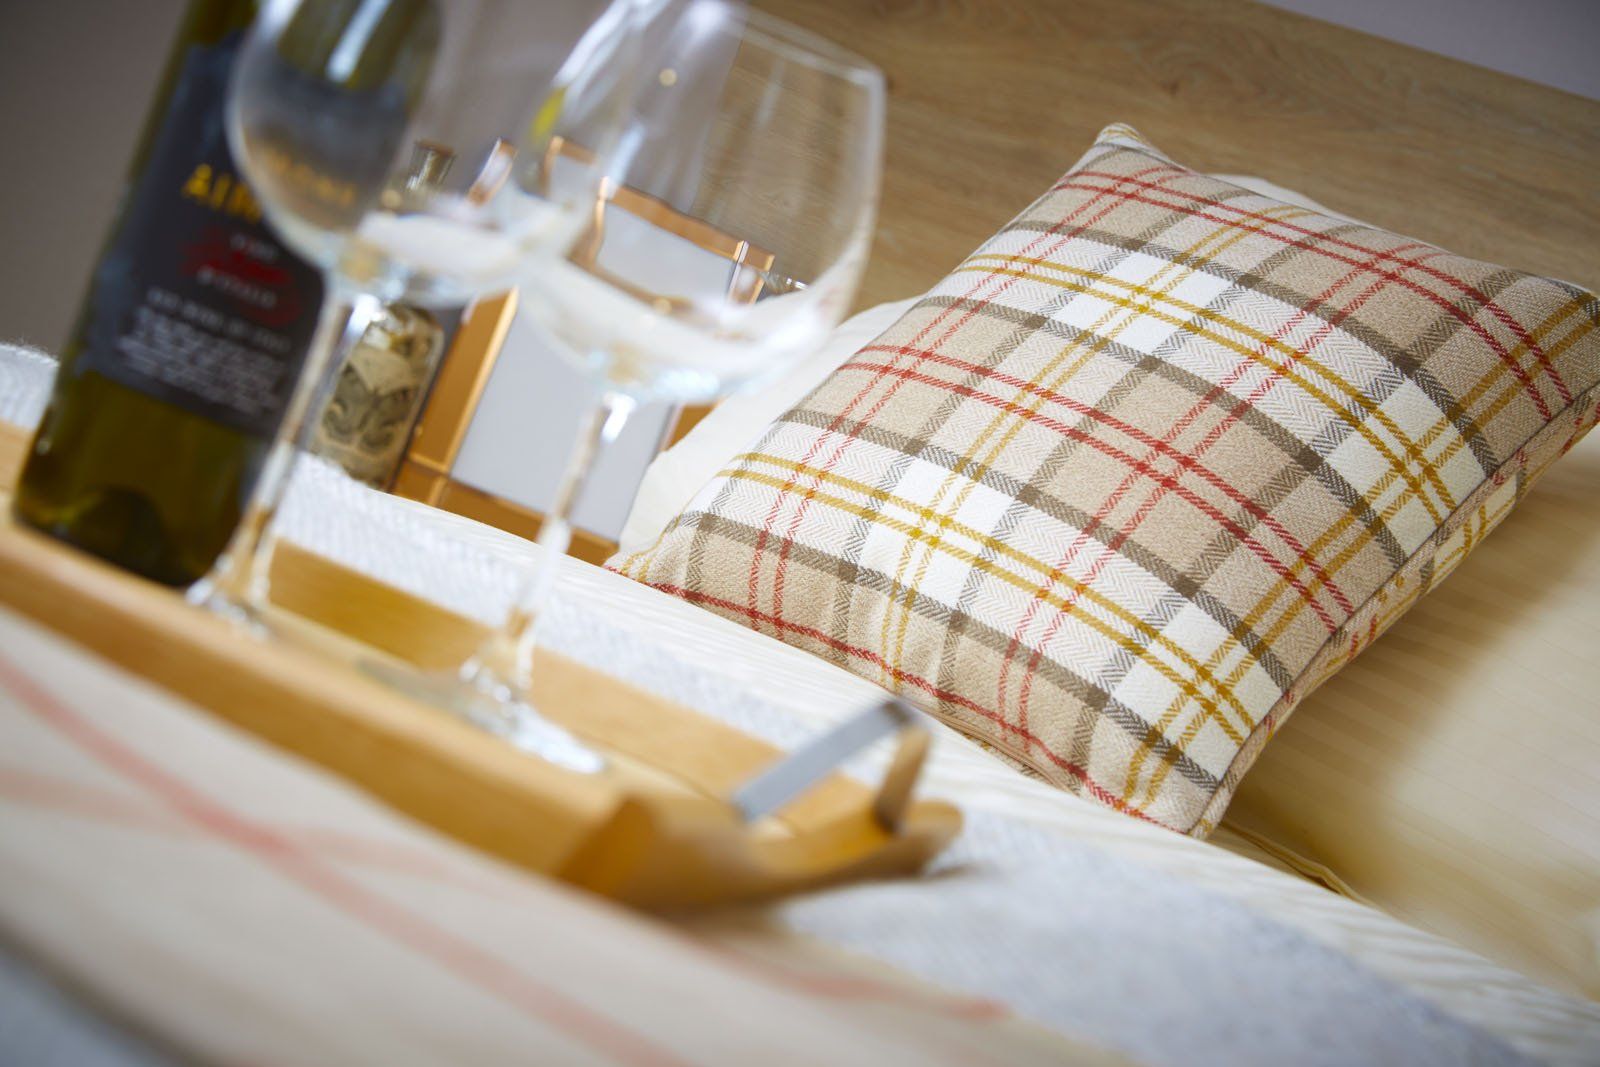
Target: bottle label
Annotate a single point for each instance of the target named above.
(196, 302)
(378, 394)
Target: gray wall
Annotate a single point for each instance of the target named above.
(1549, 41)
(75, 79)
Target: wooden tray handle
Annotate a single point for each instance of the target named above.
(669, 853)
(813, 761)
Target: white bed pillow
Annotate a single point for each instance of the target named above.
(674, 475)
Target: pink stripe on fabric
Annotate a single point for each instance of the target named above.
(455, 954)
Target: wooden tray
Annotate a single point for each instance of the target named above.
(657, 828)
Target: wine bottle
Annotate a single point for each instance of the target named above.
(186, 347)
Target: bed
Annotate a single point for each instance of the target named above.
(186, 876)
(1055, 931)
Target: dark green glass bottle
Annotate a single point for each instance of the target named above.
(187, 346)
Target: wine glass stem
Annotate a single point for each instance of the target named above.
(505, 659)
(239, 578)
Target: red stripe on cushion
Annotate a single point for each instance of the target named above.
(999, 285)
(346, 896)
(1215, 434)
(1190, 497)
(1308, 235)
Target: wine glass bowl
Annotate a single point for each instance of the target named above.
(734, 211)
(387, 139)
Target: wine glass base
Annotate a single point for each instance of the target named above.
(501, 713)
(241, 615)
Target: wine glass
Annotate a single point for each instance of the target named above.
(403, 146)
(734, 210)
(397, 144)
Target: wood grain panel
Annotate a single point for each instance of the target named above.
(990, 100)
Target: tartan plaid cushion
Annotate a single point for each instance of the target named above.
(1145, 469)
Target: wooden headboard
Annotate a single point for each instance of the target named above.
(990, 100)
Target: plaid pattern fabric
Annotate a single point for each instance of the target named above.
(1142, 471)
